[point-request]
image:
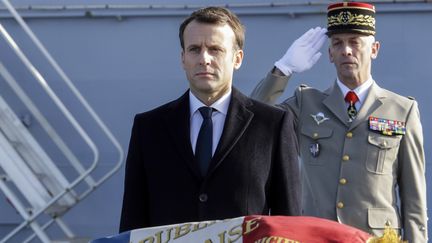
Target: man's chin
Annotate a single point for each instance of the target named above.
(348, 72)
(204, 88)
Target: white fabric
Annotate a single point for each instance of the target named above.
(205, 231)
(218, 118)
(361, 91)
(303, 52)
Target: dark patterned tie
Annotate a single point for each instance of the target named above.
(351, 98)
(203, 148)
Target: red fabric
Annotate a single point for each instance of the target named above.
(351, 5)
(351, 97)
(302, 229)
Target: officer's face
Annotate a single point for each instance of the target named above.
(209, 59)
(352, 55)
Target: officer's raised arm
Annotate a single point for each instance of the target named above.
(300, 56)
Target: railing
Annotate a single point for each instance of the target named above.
(84, 173)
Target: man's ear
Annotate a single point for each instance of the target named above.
(375, 49)
(238, 59)
(330, 56)
(182, 58)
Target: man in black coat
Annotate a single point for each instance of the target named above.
(240, 159)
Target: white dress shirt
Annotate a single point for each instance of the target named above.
(218, 117)
(361, 91)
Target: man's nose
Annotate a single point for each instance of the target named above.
(205, 58)
(347, 50)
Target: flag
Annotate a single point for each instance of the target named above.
(248, 229)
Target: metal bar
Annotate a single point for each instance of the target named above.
(44, 84)
(65, 111)
(26, 181)
(44, 226)
(41, 79)
(72, 87)
(42, 120)
(145, 10)
(63, 226)
(264, 4)
(30, 157)
(6, 75)
(20, 208)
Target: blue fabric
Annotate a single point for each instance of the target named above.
(203, 148)
(120, 238)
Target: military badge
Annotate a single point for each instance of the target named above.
(319, 118)
(314, 149)
(386, 127)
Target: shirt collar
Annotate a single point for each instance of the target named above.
(221, 105)
(361, 91)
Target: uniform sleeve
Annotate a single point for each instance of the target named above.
(412, 181)
(133, 214)
(270, 88)
(293, 105)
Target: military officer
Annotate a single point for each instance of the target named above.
(361, 145)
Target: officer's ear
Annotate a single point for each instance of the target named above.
(375, 49)
(330, 54)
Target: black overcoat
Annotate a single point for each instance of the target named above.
(254, 169)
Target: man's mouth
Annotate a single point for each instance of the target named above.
(348, 63)
(204, 74)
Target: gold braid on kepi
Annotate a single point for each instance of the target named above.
(390, 236)
(351, 17)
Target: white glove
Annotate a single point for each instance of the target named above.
(303, 53)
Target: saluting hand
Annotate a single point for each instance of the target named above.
(303, 53)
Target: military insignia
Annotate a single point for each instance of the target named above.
(346, 17)
(314, 149)
(387, 127)
(319, 118)
(352, 112)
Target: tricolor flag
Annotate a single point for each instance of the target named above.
(249, 229)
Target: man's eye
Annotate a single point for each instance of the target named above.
(215, 50)
(356, 42)
(194, 49)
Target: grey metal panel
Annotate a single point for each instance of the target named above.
(185, 2)
(132, 65)
(38, 9)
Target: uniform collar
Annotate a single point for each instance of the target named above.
(361, 91)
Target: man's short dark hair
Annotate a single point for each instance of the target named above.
(218, 16)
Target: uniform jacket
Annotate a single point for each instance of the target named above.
(359, 174)
(254, 169)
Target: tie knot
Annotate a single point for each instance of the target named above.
(206, 112)
(351, 97)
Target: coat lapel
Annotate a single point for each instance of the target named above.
(372, 102)
(336, 104)
(178, 124)
(237, 120)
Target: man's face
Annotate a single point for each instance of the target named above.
(352, 56)
(209, 59)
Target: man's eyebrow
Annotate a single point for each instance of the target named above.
(193, 45)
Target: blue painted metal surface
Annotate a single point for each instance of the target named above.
(128, 63)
